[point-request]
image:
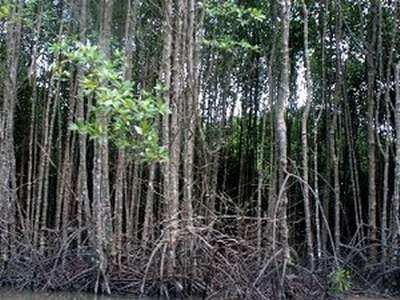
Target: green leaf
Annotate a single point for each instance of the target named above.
(73, 126)
(139, 130)
(4, 11)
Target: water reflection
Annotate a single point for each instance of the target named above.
(27, 295)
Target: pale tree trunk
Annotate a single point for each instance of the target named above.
(148, 212)
(148, 227)
(121, 173)
(37, 203)
(372, 137)
(271, 197)
(84, 210)
(101, 192)
(353, 166)
(396, 194)
(45, 154)
(175, 131)
(190, 114)
(318, 204)
(386, 153)
(281, 132)
(165, 77)
(261, 170)
(383, 150)
(272, 90)
(197, 84)
(41, 199)
(333, 128)
(120, 178)
(7, 152)
(64, 180)
(133, 202)
(32, 130)
(131, 187)
(304, 141)
(324, 200)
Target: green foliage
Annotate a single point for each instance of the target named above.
(339, 281)
(236, 16)
(117, 114)
(4, 10)
(230, 9)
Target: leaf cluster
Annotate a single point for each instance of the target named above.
(340, 281)
(229, 14)
(117, 115)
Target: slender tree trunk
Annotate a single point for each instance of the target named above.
(372, 213)
(45, 154)
(304, 140)
(64, 180)
(165, 77)
(386, 154)
(281, 132)
(121, 174)
(84, 209)
(32, 129)
(191, 115)
(318, 206)
(396, 194)
(101, 193)
(175, 141)
(325, 199)
(353, 166)
(333, 129)
(7, 152)
(41, 201)
(149, 218)
(272, 91)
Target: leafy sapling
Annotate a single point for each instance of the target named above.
(339, 281)
(117, 115)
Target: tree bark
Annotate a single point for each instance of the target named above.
(281, 133)
(101, 188)
(388, 144)
(333, 128)
(372, 202)
(304, 141)
(396, 194)
(8, 195)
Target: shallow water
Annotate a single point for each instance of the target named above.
(29, 295)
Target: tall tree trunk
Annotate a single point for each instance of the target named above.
(64, 180)
(396, 194)
(101, 192)
(333, 128)
(45, 154)
(8, 196)
(84, 209)
(175, 138)
(191, 115)
(165, 77)
(121, 172)
(386, 154)
(32, 129)
(272, 87)
(281, 133)
(325, 199)
(372, 213)
(304, 141)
